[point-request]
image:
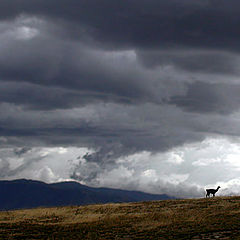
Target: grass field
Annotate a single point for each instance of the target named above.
(215, 218)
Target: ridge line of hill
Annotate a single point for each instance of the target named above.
(23, 193)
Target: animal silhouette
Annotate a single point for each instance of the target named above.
(211, 191)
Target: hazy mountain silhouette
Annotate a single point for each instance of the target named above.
(22, 193)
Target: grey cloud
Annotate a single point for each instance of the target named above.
(79, 74)
(103, 126)
(210, 98)
(118, 77)
(112, 129)
(20, 151)
(46, 72)
(39, 97)
(106, 154)
(48, 62)
(143, 23)
(193, 60)
(7, 170)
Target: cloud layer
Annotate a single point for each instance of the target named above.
(119, 78)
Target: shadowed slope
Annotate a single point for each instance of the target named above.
(23, 193)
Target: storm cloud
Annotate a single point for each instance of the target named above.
(120, 79)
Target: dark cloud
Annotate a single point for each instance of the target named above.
(38, 97)
(142, 23)
(63, 65)
(48, 62)
(191, 60)
(117, 77)
(102, 127)
(210, 98)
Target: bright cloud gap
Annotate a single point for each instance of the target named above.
(175, 172)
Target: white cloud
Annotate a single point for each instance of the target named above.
(175, 178)
(25, 33)
(22, 28)
(184, 171)
(46, 164)
(114, 177)
(175, 158)
(3, 139)
(206, 162)
(46, 174)
(230, 187)
(233, 160)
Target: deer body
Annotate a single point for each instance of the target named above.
(211, 191)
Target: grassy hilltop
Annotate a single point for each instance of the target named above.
(215, 218)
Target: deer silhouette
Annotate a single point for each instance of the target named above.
(211, 191)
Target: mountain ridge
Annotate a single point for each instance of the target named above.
(26, 193)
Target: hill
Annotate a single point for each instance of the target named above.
(22, 193)
(215, 218)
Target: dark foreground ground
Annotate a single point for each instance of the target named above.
(215, 218)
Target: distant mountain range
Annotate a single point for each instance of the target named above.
(22, 193)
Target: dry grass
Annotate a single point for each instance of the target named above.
(216, 218)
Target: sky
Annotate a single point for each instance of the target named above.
(134, 94)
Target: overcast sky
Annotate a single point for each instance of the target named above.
(134, 94)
